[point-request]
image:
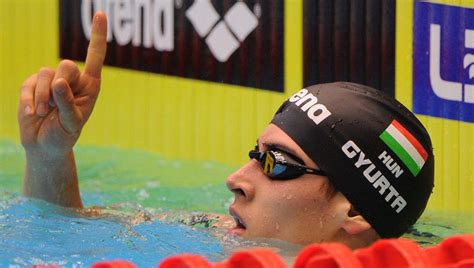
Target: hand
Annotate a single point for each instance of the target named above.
(55, 104)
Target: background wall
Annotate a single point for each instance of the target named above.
(199, 120)
(349, 41)
(178, 117)
(453, 140)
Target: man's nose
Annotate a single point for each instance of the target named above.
(242, 181)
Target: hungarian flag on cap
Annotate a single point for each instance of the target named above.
(405, 146)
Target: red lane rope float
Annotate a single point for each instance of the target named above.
(326, 256)
(453, 252)
(185, 261)
(256, 258)
(392, 253)
(114, 264)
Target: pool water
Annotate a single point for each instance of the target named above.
(34, 232)
(135, 185)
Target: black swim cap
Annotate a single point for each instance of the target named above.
(374, 150)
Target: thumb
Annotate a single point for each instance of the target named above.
(69, 115)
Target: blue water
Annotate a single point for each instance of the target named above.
(133, 186)
(34, 232)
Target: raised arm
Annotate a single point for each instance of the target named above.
(54, 106)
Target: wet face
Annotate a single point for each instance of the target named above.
(296, 210)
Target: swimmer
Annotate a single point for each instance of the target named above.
(339, 162)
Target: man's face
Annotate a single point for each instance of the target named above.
(296, 210)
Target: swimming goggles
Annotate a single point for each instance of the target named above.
(280, 165)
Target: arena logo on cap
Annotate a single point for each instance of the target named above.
(443, 61)
(315, 111)
(405, 146)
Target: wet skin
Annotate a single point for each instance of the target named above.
(296, 210)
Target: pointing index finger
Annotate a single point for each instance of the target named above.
(97, 46)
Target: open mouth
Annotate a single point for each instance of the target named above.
(239, 227)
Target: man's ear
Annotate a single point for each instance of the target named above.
(354, 223)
